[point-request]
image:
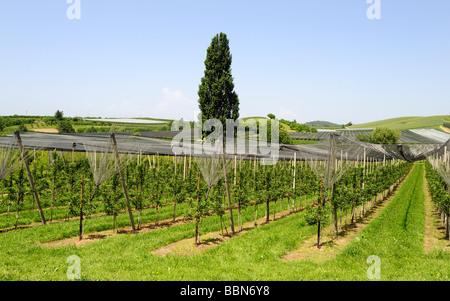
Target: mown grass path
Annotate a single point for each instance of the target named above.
(396, 237)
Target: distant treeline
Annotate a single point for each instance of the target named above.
(14, 120)
(72, 124)
(298, 127)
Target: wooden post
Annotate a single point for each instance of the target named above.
(227, 186)
(73, 151)
(197, 235)
(363, 184)
(80, 235)
(295, 160)
(235, 170)
(184, 169)
(122, 180)
(30, 177)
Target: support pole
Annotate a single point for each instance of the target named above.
(80, 235)
(295, 162)
(122, 180)
(227, 186)
(30, 177)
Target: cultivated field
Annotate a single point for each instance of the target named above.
(392, 217)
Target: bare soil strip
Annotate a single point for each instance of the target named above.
(434, 230)
(48, 131)
(186, 247)
(95, 236)
(208, 240)
(49, 222)
(447, 130)
(147, 227)
(332, 245)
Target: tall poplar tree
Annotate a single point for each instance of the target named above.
(217, 98)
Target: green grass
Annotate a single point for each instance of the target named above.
(304, 141)
(396, 236)
(407, 123)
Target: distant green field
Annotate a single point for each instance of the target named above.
(256, 118)
(407, 123)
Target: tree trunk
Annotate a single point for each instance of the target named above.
(221, 224)
(274, 209)
(174, 210)
(114, 213)
(30, 177)
(447, 226)
(17, 212)
(53, 198)
(335, 208)
(81, 209)
(319, 213)
(197, 240)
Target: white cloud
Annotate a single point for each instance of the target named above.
(124, 109)
(286, 113)
(175, 105)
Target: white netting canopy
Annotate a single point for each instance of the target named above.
(346, 147)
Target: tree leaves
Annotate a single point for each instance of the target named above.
(217, 98)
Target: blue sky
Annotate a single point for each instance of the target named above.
(305, 59)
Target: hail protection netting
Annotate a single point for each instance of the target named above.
(10, 159)
(10, 154)
(334, 167)
(211, 167)
(348, 147)
(102, 161)
(441, 163)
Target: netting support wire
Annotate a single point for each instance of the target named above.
(122, 180)
(30, 177)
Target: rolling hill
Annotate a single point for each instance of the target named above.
(323, 124)
(407, 123)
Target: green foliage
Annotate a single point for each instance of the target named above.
(22, 128)
(407, 123)
(271, 116)
(381, 136)
(217, 98)
(439, 189)
(13, 120)
(447, 125)
(258, 250)
(2, 124)
(323, 124)
(298, 127)
(283, 135)
(312, 215)
(59, 115)
(65, 127)
(385, 136)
